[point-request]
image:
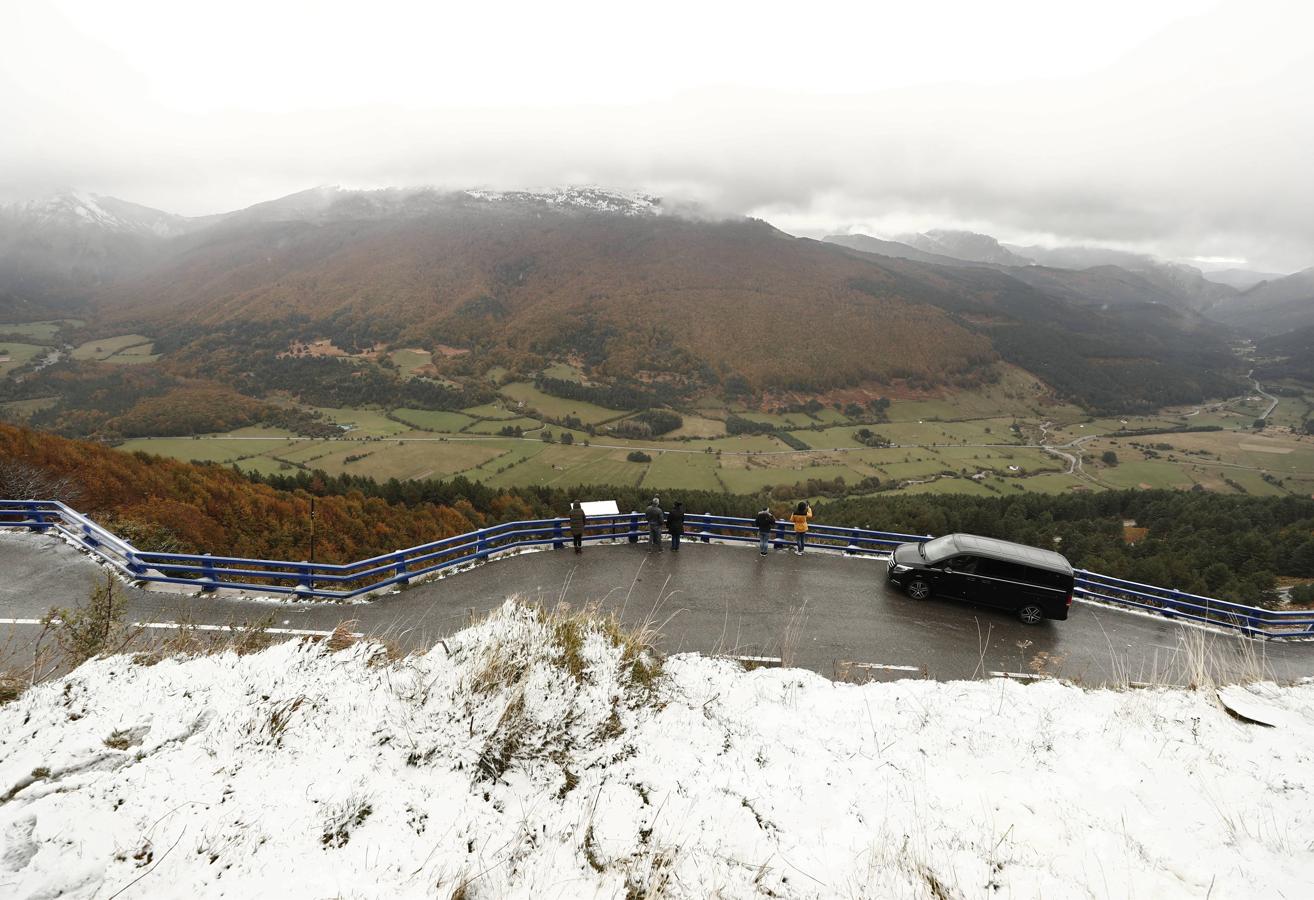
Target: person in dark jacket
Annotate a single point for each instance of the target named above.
(655, 518)
(577, 526)
(675, 525)
(765, 522)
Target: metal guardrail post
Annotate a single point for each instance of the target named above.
(704, 535)
(481, 545)
(399, 571)
(37, 515)
(208, 576)
(557, 538)
(780, 536)
(634, 528)
(87, 537)
(306, 579)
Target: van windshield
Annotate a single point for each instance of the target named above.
(938, 549)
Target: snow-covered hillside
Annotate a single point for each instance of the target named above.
(82, 210)
(530, 757)
(590, 199)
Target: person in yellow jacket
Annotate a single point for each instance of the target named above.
(802, 513)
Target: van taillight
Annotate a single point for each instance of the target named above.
(1069, 598)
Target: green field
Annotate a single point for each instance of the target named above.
(14, 355)
(408, 361)
(492, 411)
(509, 454)
(431, 420)
(38, 331)
(696, 426)
(363, 422)
(495, 426)
(943, 441)
(557, 407)
(18, 410)
(692, 471)
(559, 465)
(133, 347)
(223, 450)
(564, 372)
(952, 486)
(136, 355)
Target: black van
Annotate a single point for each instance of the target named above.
(1036, 584)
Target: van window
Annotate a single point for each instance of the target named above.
(997, 568)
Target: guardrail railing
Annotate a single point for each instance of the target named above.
(341, 581)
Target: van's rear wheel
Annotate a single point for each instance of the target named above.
(1031, 614)
(918, 589)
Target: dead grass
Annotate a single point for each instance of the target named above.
(188, 640)
(343, 819)
(569, 630)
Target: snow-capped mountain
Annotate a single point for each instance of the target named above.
(591, 199)
(80, 210)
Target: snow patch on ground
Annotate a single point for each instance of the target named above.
(523, 760)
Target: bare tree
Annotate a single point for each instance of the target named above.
(23, 481)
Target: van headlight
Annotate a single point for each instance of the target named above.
(899, 568)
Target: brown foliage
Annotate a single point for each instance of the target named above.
(171, 505)
(640, 294)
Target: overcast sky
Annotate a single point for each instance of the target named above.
(1180, 127)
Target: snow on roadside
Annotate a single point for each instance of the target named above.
(523, 760)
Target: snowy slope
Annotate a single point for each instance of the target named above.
(490, 764)
(82, 210)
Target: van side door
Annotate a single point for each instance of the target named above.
(1012, 586)
(960, 579)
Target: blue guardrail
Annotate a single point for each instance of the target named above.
(333, 581)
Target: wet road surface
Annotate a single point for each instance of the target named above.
(825, 612)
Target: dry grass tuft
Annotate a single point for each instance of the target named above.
(11, 687)
(343, 819)
(343, 637)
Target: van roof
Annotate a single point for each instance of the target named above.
(1011, 552)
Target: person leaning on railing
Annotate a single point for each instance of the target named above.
(764, 522)
(802, 513)
(577, 525)
(656, 518)
(675, 525)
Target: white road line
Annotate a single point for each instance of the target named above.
(297, 632)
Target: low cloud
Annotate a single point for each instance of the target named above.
(1193, 145)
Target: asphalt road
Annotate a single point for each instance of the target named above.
(825, 612)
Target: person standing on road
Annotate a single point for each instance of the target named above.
(655, 519)
(765, 522)
(675, 525)
(577, 525)
(802, 513)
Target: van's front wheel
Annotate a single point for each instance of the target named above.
(918, 589)
(1031, 614)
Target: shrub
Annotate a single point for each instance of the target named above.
(638, 456)
(93, 629)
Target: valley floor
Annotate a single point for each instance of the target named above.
(533, 757)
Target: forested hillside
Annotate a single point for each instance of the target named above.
(629, 295)
(166, 505)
